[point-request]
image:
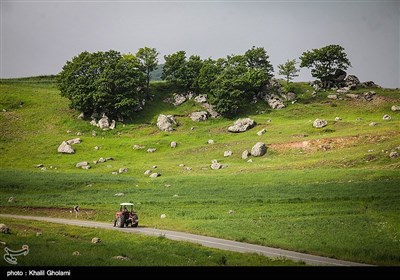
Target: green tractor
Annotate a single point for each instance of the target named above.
(125, 216)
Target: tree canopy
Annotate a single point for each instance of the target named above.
(103, 82)
(148, 61)
(325, 62)
(288, 70)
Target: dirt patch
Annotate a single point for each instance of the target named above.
(325, 144)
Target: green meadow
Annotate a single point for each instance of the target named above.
(332, 192)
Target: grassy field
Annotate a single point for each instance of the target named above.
(332, 191)
(72, 246)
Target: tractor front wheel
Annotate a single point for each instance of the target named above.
(120, 221)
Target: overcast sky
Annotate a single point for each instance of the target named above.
(38, 37)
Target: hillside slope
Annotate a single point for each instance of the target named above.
(330, 191)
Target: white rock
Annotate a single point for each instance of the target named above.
(227, 153)
(163, 216)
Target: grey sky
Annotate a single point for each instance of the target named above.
(38, 37)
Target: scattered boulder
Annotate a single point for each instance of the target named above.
(122, 170)
(93, 122)
(201, 98)
(351, 81)
(138, 147)
(78, 133)
(210, 141)
(259, 149)
(154, 166)
(86, 167)
(163, 216)
(341, 91)
(39, 165)
(4, 229)
(250, 160)
(187, 168)
(387, 118)
(369, 96)
(332, 96)
(96, 240)
(74, 141)
(242, 125)
(81, 116)
(210, 109)
(94, 133)
(352, 96)
(290, 96)
(65, 148)
(165, 123)
(393, 154)
(318, 123)
(173, 144)
(215, 165)
(11, 199)
(261, 132)
(231, 212)
(112, 125)
(245, 154)
(181, 165)
(121, 258)
(227, 153)
(338, 119)
(151, 150)
(368, 84)
(178, 99)
(114, 173)
(373, 124)
(147, 172)
(154, 175)
(69, 131)
(275, 102)
(81, 164)
(96, 148)
(395, 108)
(76, 253)
(199, 116)
(119, 194)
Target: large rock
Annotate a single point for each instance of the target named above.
(369, 96)
(242, 125)
(165, 122)
(4, 228)
(103, 123)
(393, 154)
(199, 116)
(395, 108)
(318, 123)
(259, 149)
(96, 240)
(65, 148)
(386, 118)
(74, 141)
(351, 81)
(173, 144)
(201, 98)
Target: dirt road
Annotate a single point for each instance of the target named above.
(203, 240)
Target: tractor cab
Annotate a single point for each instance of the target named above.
(126, 216)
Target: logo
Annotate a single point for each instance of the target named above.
(9, 256)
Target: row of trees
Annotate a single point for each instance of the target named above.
(115, 83)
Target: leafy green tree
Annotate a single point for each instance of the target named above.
(103, 82)
(288, 70)
(325, 62)
(237, 79)
(182, 72)
(148, 60)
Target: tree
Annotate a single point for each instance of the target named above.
(326, 63)
(288, 70)
(237, 79)
(182, 72)
(148, 60)
(103, 82)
